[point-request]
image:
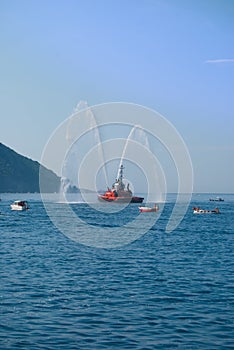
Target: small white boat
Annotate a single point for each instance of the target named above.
(148, 209)
(19, 205)
(217, 199)
(197, 210)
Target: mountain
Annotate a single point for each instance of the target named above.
(21, 174)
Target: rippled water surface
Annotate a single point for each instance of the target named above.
(164, 290)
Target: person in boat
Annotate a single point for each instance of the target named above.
(156, 206)
(128, 189)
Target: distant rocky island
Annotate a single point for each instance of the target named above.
(21, 174)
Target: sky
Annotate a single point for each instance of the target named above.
(173, 56)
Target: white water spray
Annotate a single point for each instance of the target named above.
(136, 134)
(81, 118)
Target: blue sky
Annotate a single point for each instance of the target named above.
(176, 57)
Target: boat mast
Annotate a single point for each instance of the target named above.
(120, 176)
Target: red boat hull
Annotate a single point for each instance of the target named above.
(120, 199)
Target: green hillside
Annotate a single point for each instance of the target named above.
(21, 174)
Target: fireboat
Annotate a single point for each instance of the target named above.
(118, 193)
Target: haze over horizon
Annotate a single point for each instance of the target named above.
(175, 57)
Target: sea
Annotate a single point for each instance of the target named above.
(161, 290)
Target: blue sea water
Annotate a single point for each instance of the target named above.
(162, 291)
